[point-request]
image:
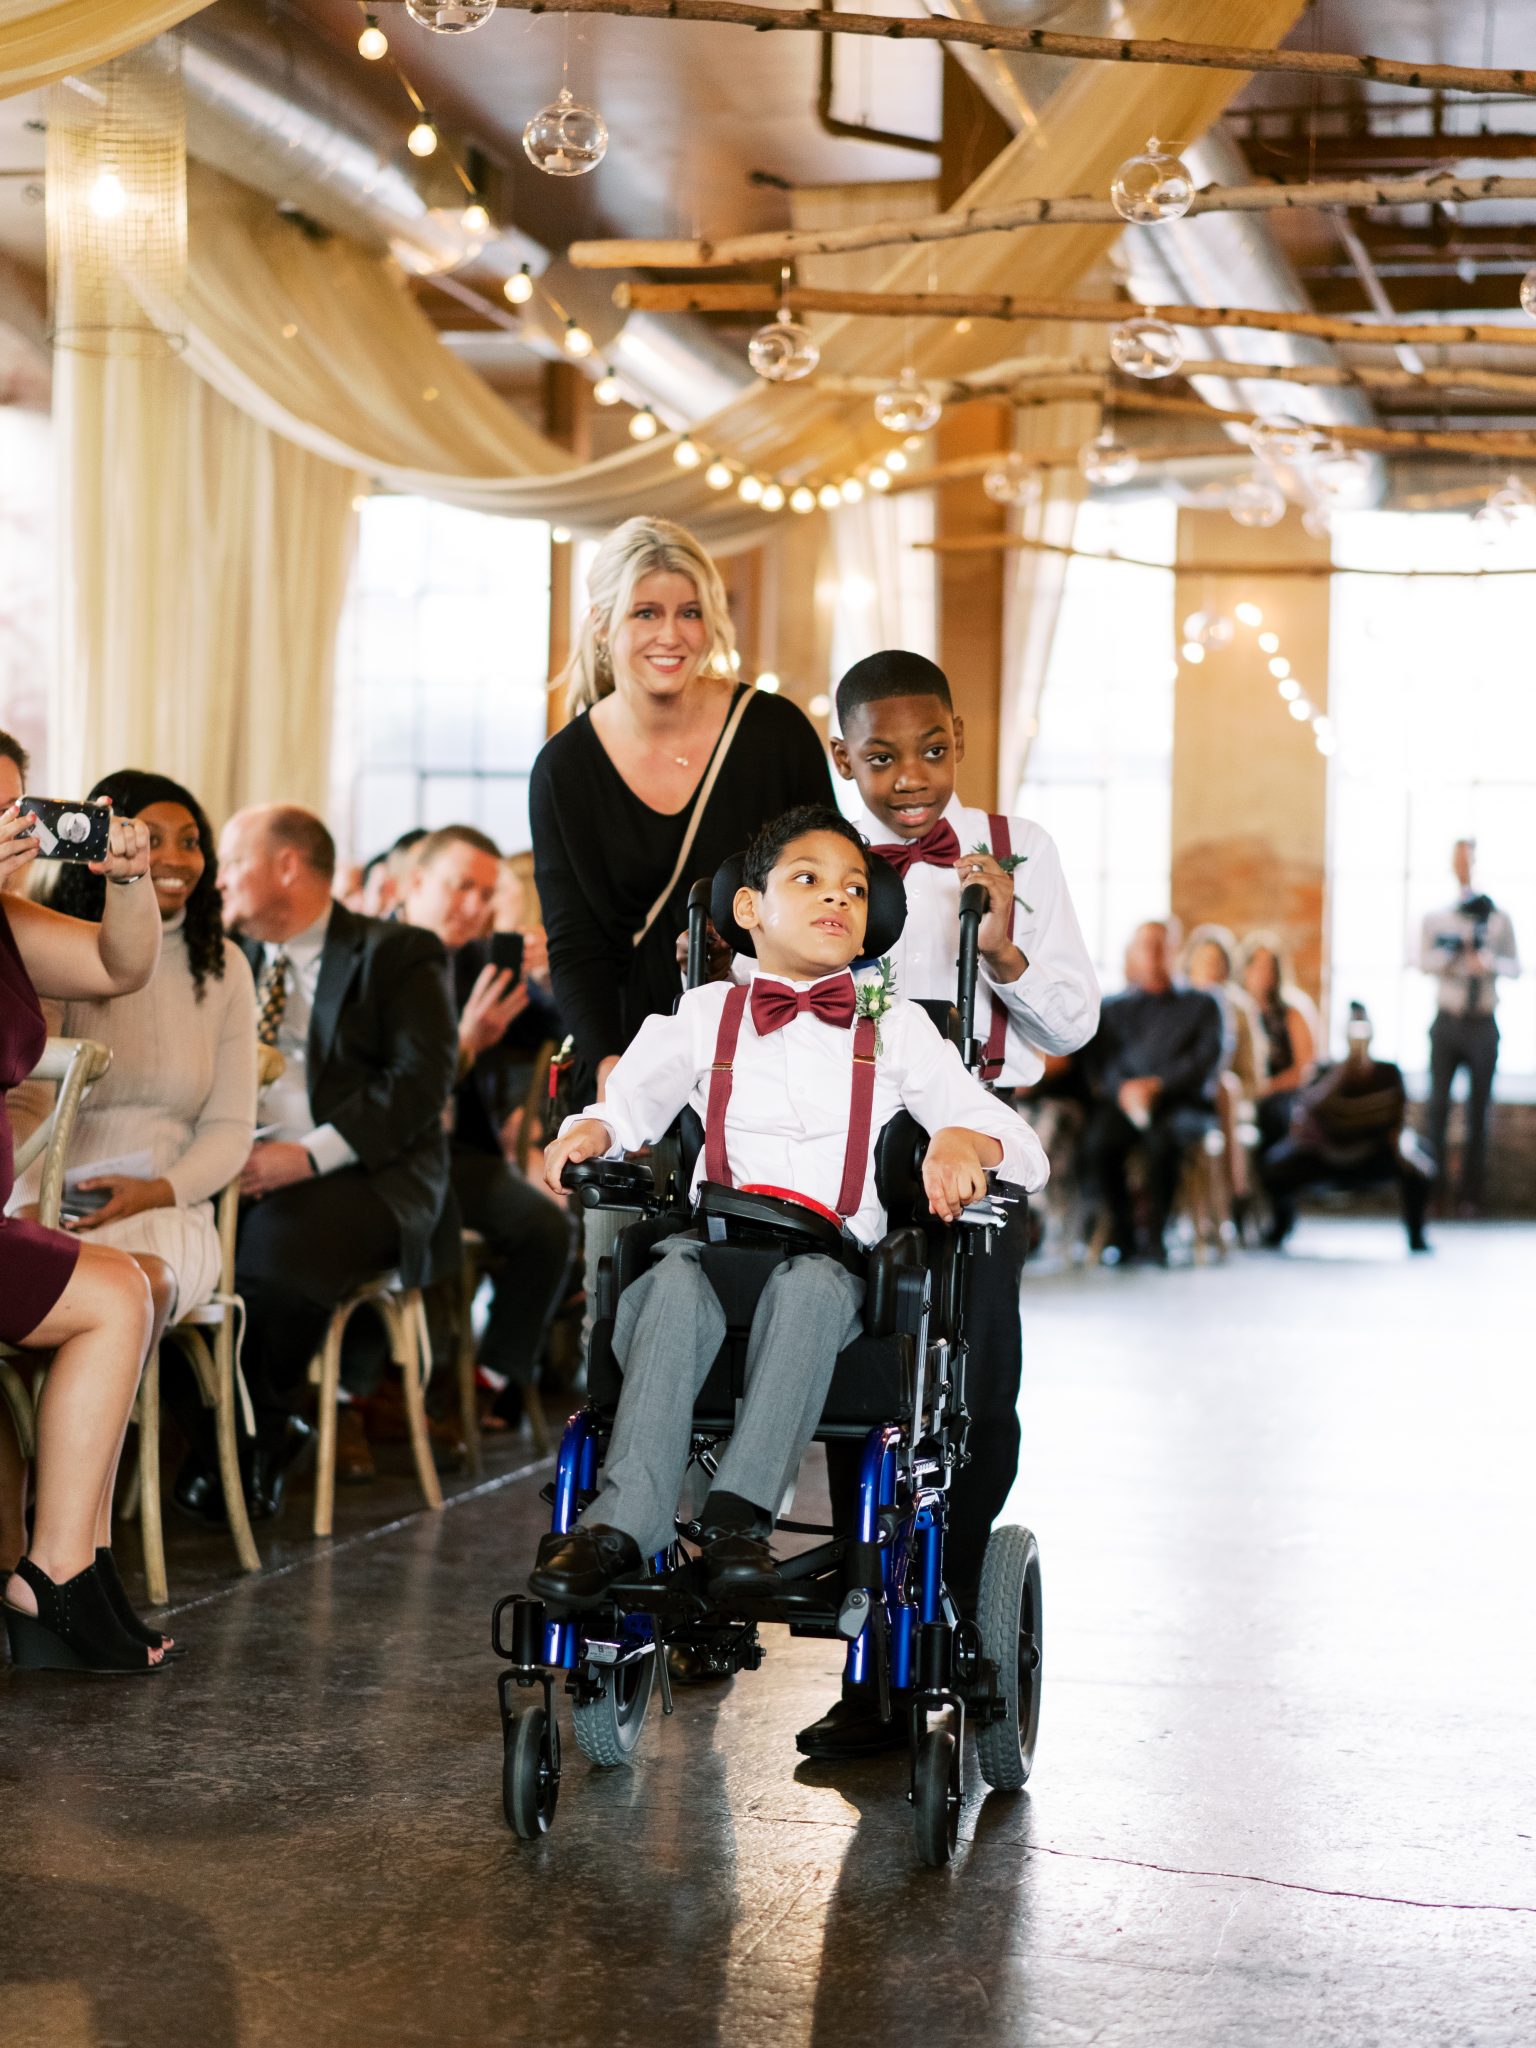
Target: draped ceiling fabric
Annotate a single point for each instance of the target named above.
(45, 40)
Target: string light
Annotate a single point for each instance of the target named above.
(1290, 689)
(718, 476)
(372, 43)
(686, 454)
(606, 390)
(1270, 642)
(895, 462)
(879, 478)
(518, 289)
(644, 426)
(1194, 653)
(768, 681)
(829, 497)
(750, 489)
(107, 198)
(475, 220)
(802, 499)
(1301, 710)
(820, 705)
(853, 490)
(773, 498)
(422, 140)
(579, 343)
(560, 535)
(1249, 613)
(1279, 666)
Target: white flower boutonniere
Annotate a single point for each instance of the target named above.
(874, 996)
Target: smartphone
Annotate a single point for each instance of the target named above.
(69, 830)
(79, 1202)
(507, 952)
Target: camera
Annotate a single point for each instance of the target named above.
(1480, 910)
(69, 830)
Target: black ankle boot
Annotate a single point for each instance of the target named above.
(74, 1628)
(122, 1607)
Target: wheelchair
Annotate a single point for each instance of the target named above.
(899, 1389)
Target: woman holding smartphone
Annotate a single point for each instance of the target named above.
(86, 1304)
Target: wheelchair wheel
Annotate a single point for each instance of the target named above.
(936, 1797)
(1008, 1613)
(528, 1788)
(608, 1729)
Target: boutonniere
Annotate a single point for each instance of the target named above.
(1008, 862)
(875, 995)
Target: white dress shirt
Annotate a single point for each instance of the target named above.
(1457, 973)
(787, 1122)
(285, 1105)
(1054, 1005)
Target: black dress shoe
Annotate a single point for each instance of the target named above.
(199, 1495)
(267, 1469)
(577, 1569)
(739, 1564)
(853, 1728)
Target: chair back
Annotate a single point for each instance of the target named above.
(74, 1066)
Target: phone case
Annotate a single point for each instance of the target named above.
(69, 829)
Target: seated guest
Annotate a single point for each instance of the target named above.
(383, 877)
(1152, 1072)
(1288, 1032)
(791, 1117)
(1209, 960)
(180, 1095)
(451, 891)
(353, 1180)
(1347, 1130)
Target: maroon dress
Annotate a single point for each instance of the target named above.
(35, 1264)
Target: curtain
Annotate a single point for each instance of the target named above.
(41, 40)
(205, 560)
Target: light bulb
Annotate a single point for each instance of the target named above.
(518, 289)
(372, 43)
(1193, 653)
(1012, 480)
(566, 139)
(1270, 642)
(802, 499)
(606, 390)
(644, 426)
(829, 497)
(1106, 459)
(1300, 710)
(579, 343)
(907, 407)
(450, 17)
(422, 140)
(1528, 293)
(853, 490)
(1249, 613)
(686, 454)
(718, 476)
(1290, 689)
(783, 351)
(820, 705)
(1145, 347)
(750, 489)
(1212, 629)
(474, 220)
(773, 498)
(1322, 726)
(560, 535)
(896, 462)
(1152, 187)
(768, 681)
(107, 198)
(879, 478)
(1327, 744)
(1256, 501)
(1279, 666)
(1279, 437)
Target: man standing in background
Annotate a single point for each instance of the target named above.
(1466, 947)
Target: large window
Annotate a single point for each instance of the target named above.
(26, 579)
(1100, 771)
(1432, 696)
(441, 673)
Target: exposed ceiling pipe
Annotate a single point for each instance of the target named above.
(288, 131)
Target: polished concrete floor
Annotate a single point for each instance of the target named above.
(1285, 1793)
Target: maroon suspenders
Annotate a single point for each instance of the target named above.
(997, 1037)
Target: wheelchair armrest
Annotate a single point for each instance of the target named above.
(895, 1288)
(609, 1183)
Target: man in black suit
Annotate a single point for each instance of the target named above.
(351, 1179)
(451, 890)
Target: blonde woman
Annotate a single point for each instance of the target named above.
(669, 766)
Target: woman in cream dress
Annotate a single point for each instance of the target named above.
(179, 1100)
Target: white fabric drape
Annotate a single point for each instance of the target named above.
(43, 40)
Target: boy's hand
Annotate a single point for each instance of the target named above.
(955, 1170)
(995, 939)
(587, 1140)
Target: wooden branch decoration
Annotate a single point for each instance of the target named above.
(1081, 376)
(994, 543)
(1039, 42)
(1444, 189)
(765, 299)
(1505, 442)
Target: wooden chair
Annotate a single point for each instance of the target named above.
(1204, 1197)
(72, 1066)
(208, 1338)
(471, 1272)
(405, 1321)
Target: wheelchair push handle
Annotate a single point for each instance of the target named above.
(698, 932)
(973, 908)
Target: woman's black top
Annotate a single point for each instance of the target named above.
(1276, 1019)
(601, 857)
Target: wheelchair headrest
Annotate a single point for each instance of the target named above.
(887, 907)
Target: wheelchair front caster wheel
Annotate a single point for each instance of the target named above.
(1008, 1612)
(936, 1797)
(529, 1785)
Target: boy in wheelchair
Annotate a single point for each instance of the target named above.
(794, 1074)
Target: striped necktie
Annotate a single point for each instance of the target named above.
(274, 999)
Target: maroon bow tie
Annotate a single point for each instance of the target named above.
(775, 1004)
(939, 847)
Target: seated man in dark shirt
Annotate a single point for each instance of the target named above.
(1152, 1070)
(450, 890)
(1347, 1131)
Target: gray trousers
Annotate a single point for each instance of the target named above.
(1473, 1043)
(667, 1332)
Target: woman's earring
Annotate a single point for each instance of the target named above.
(602, 658)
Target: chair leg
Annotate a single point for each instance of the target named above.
(469, 1404)
(406, 1317)
(330, 1385)
(150, 1528)
(222, 1374)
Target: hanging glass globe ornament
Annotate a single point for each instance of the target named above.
(907, 407)
(1491, 523)
(1012, 480)
(1256, 501)
(783, 351)
(1280, 437)
(1209, 629)
(1341, 475)
(1528, 293)
(1152, 187)
(1513, 500)
(1145, 347)
(451, 17)
(1106, 459)
(566, 139)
